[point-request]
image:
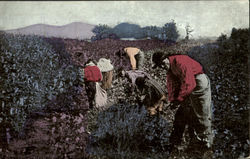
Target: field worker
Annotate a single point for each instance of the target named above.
(149, 93)
(152, 94)
(187, 81)
(107, 72)
(136, 56)
(92, 74)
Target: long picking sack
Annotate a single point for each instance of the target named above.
(100, 96)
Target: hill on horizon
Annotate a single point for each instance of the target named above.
(75, 30)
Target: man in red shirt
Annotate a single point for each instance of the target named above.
(187, 81)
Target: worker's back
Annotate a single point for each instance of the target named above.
(131, 51)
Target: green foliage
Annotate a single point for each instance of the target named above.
(125, 127)
(228, 71)
(223, 42)
(170, 32)
(237, 44)
(102, 32)
(240, 40)
(152, 32)
(127, 30)
(101, 29)
(30, 77)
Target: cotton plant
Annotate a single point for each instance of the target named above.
(31, 76)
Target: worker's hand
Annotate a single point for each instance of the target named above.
(123, 73)
(175, 104)
(142, 97)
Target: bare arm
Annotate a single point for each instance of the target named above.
(133, 62)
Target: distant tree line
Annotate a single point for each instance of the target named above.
(167, 32)
(237, 44)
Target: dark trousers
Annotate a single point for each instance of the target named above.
(183, 117)
(195, 112)
(91, 91)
